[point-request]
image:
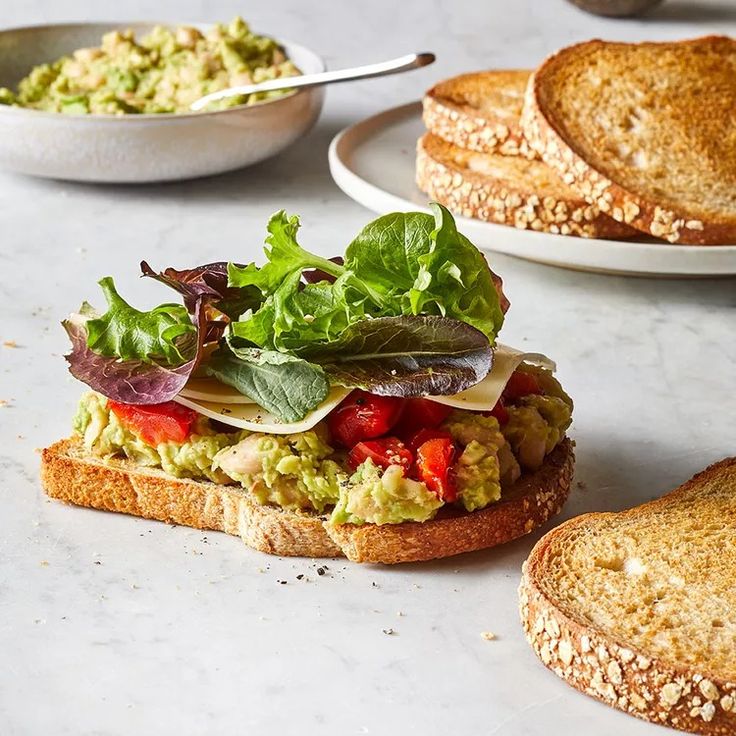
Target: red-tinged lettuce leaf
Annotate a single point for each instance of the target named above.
(210, 281)
(129, 381)
(406, 356)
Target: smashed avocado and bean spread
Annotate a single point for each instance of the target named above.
(409, 312)
(429, 455)
(162, 72)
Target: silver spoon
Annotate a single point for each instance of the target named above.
(402, 64)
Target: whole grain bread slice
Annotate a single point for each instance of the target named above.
(638, 608)
(644, 131)
(480, 111)
(509, 190)
(70, 474)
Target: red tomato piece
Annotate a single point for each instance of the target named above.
(363, 416)
(423, 435)
(155, 423)
(500, 412)
(434, 467)
(384, 452)
(421, 414)
(521, 384)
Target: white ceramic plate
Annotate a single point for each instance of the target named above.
(373, 162)
(139, 148)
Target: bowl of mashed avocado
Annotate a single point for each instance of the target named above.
(110, 102)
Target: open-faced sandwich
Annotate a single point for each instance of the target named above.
(356, 406)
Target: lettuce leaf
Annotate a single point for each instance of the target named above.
(210, 280)
(287, 386)
(422, 265)
(406, 356)
(129, 381)
(297, 315)
(123, 332)
(285, 257)
(400, 264)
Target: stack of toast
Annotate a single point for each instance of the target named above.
(603, 140)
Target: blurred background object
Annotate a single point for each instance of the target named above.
(616, 8)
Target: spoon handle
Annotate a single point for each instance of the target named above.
(394, 66)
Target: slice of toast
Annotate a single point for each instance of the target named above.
(509, 190)
(638, 608)
(480, 111)
(645, 131)
(70, 474)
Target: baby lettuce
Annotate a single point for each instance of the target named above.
(211, 281)
(400, 264)
(407, 356)
(128, 334)
(136, 379)
(412, 309)
(287, 386)
(422, 265)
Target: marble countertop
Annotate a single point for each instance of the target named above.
(113, 625)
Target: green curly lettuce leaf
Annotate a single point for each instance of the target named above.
(162, 335)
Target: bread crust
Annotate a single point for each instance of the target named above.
(639, 210)
(451, 111)
(515, 200)
(611, 669)
(70, 474)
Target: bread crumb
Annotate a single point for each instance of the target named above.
(4, 402)
(44, 563)
(10, 344)
(487, 635)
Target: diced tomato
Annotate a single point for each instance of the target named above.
(500, 412)
(384, 452)
(434, 466)
(421, 414)
(363, 416)
(155, 423)
(521, 384)
(423, 435)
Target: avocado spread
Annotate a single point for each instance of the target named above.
(302, 472)
(163, 72)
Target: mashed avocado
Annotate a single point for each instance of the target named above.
(104, 435)
(291, 471)
(164, 72)
(478, 470)
(376, 497)
(535, 427)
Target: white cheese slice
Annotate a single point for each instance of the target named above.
(218, 401)
(484, 395)
(253, 417)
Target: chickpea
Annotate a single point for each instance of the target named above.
(187, 37)
(85, 56)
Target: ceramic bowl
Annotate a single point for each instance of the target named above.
(140, 148)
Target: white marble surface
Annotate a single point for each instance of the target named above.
(113, 625)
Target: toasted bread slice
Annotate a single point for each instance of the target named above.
(509, 190)
(480, 111)
(645, 131)
(70, 474)
(638, 608)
